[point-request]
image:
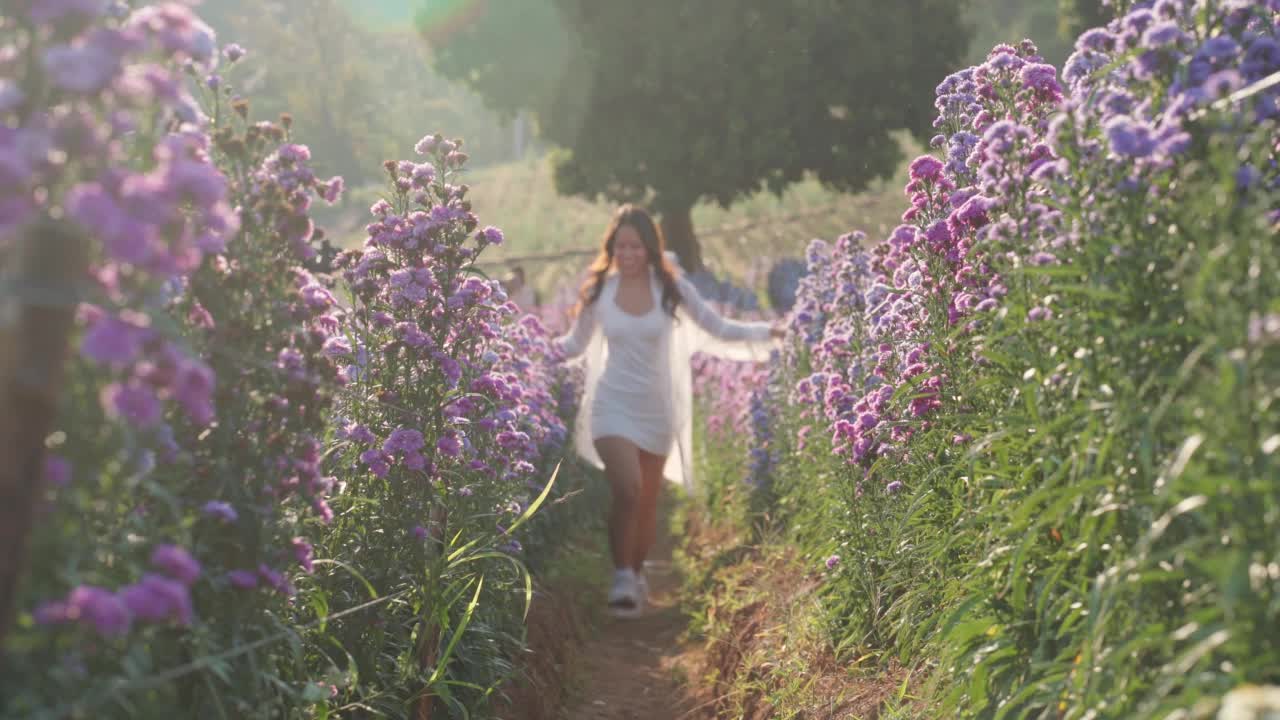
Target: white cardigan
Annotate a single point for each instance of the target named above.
(697, 327)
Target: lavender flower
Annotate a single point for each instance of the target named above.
(177, 563)
(219, 510)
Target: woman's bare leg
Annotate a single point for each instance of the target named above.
(646, 515)
(622, 468)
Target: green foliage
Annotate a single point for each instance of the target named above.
(1126, 513)
(672, 102)
(359, 93)
(1080, 15)
(1010, 21)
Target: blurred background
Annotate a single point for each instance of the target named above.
(748, 128)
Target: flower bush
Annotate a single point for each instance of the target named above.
(274, 474)
(1030, 434)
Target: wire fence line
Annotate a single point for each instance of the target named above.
(709, 233)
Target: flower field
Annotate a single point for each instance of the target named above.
(1029, 440)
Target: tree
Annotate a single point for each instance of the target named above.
(669, 102)
(1010, 21)
(1076, 16)
(361, 93)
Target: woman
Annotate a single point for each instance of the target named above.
(637, 395)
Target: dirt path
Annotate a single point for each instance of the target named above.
(628, 670)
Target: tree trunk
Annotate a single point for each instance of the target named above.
(35, 324)
(677, 230)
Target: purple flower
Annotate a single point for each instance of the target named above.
(1129, 137)
(294, 153)
(419, 532)
(57, 471)
(1247, 176)
(133, 402)
(833, 562)
(926, 167)
(358, 433)
(101, 608)
(511, 440)
(1042, 78)
(332, 190)
(1262, 57)
(415, 461)
(53, 11)
(115, 340)
(894, 487)
(243, 579)
(1221, 84)
(275, 579)
(157, 599)
(492, 235)
(1219, 48)
(449, 445)
(404, 440)
(192, 387)
(233, 52)
(450, 368)
(336, 347)
(316, 296)
(426, 145)
(95, 606)
(290, 359)
(303, 553)
(176, 562)
(1162, 35)
(220, 510)
(85, 69)
(1039, 313)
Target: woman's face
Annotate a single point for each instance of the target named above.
(629, 252)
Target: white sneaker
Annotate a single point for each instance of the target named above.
(625, 599)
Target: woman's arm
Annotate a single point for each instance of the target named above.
(575, 342)
(716, 324)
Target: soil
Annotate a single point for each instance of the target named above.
(629, 669)
(585, 665)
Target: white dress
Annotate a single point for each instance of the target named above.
(638, 373)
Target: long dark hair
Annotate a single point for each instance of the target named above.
(639, 219)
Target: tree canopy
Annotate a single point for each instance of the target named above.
(670, 102)
(1080, 15)
(362, 92)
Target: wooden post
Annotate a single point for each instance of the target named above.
(36, 317)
